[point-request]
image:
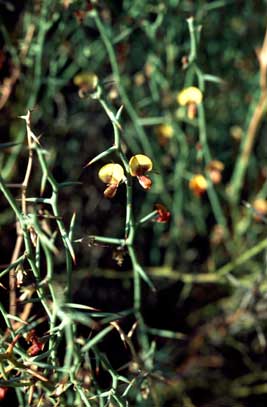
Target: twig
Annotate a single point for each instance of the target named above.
(236, 182)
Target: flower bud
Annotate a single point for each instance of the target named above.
(215, 168)
(260, 207)
(164, 133)
(86, 81)
(198, 184)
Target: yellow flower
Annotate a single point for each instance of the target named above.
(164, 133)
(111, 174)
(139, 165)
(86, 81)
(198, 184)
(260, 206)
(190, 97)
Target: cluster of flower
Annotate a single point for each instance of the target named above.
(112, 175)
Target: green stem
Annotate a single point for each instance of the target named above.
(143, 140)
(43, 28)
(96, 339)
(253, 251)
(129, 220)
(6, 319)
(137, 279)
(13, 265)
(24, 226)
(176, 208)
(107, 240)
(69, 252)
(36, 83)
(117, 77)
(147, 218)
(214, 201)
(10, 199)
(67, 246)
(193, 40)
(130, 226)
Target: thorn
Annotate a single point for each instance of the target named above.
(78, 240)
(89, 163)
(27, 119)
(73, 258)
(117, 124)
(118, 114)
(133, 328)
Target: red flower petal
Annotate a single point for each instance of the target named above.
(144, 181)
(163, 215)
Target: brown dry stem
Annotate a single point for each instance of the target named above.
(254, 124)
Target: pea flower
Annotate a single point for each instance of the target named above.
(163, 215)
(36, 344)
(215, 169)
(190, 97)
(139, 165)
(260, 207)
(198, 184)
(86, 81)
(111, 174)
(164, 133)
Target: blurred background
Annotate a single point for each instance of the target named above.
(208, 262)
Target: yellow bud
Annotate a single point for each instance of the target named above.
(111, 174)
(164, 133)
(198, 184)
(139, 165)
(189, 95)
(215, 168)
(260, 206)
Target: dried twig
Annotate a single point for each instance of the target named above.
(257, 116)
